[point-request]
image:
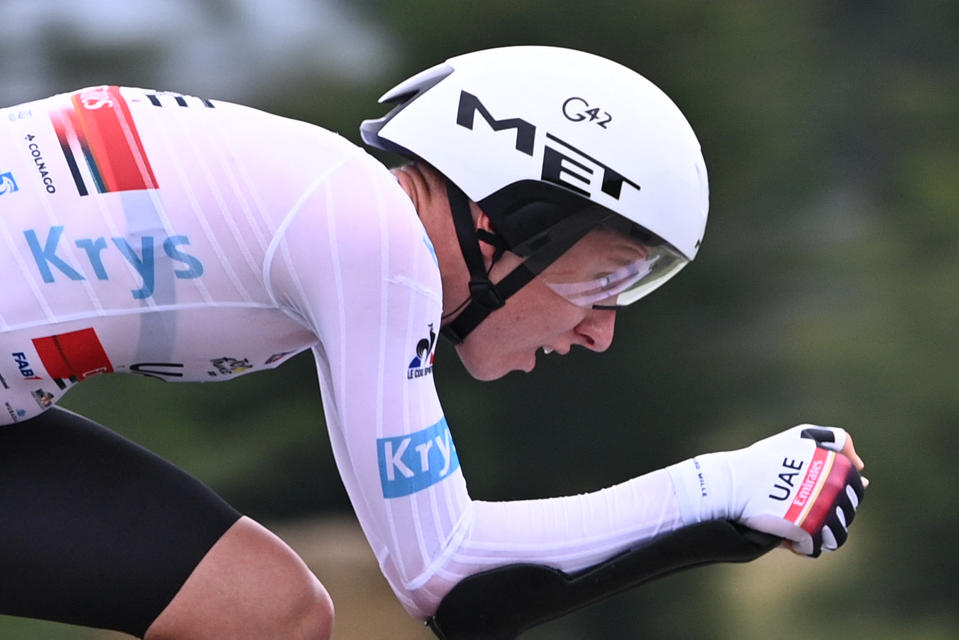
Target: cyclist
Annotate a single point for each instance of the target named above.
(186, 239)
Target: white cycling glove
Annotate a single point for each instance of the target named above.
(795, 485)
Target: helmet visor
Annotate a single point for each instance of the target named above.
(623, 283)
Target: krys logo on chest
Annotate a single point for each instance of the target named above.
(89, 258)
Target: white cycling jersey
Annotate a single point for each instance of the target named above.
(194, 240)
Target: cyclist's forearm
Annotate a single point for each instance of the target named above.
(567, 533)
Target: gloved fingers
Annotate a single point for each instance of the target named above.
(804, 547)
(816, 544)
(829, 542)
(841, 495)
(850, 498)
(845, 507)
(816, 488)
(849, 450)
(833, 438)
(854, 498)
(858, 484)
(837, 532)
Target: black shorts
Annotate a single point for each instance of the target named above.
(94, 529)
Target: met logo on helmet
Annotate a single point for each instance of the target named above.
(563, 164)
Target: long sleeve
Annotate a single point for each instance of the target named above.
(353, 263)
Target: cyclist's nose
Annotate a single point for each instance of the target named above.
(596, 329)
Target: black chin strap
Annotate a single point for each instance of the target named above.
(486, 297)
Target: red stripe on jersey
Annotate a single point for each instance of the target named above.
(113, 140)
(77, 354)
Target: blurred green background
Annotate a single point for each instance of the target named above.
(825, 290)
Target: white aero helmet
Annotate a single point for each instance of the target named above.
(552, 143)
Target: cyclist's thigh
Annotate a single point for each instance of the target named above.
(94, 529)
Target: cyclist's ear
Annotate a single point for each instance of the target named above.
(491, 245)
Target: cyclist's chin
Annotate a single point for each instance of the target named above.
(485, 366)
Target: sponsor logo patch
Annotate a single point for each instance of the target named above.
(159, 370)
(229, 366)
(24, 114)
(15, 414)
(562, 163)
(170, 98)
(44, 399)
(276, 357)
(411, 463)
(41, 163)
(24, 365)
(100, 143)
(8, 183)
(143, 259)
(422, 363)
(811, 487)
(71, 357)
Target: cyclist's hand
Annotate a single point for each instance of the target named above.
(811, 499)
(802, 484)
